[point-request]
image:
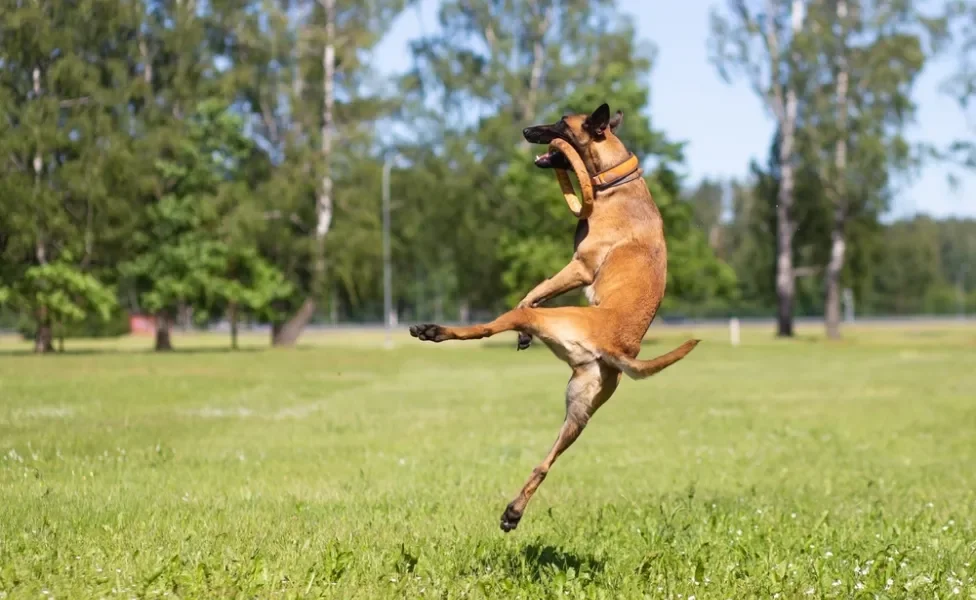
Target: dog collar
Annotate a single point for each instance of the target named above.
(616, 175)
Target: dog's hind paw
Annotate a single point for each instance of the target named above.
(429, 333)
(524, 341)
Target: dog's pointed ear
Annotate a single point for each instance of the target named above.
(616, 121)
(598, 122)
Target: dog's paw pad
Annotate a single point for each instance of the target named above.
(429, 333)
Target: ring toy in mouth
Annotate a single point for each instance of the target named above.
(580, 208)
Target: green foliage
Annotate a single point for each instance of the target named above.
(923, 266)
(193, 250)
(91, 327)
(63, 293)
(241, 278)
(695, 275)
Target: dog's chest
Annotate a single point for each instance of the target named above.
(591, 296)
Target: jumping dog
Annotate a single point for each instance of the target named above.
(619, 258)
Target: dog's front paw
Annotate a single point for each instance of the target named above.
(429, 333)
(524, 341)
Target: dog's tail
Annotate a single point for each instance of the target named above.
(639, 369)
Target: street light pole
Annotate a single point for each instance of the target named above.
(387, 266)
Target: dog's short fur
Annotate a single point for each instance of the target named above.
(620, 258)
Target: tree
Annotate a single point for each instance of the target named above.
(909, 266)
(760, 45)
(708, 201)
(328, 101)
(63, 124)
(59, 293)
(752, 240)
(861, 59)
(183, 255)
(238, 282)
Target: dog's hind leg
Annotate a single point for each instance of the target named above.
(590, 387)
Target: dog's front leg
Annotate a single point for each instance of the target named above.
(572, 276)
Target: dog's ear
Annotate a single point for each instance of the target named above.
(598, 122)
(616, 121)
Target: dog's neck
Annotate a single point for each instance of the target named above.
(605, 154)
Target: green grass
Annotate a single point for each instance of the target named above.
(802, 469)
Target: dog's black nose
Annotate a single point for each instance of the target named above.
(526, 131)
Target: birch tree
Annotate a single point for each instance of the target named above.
(758, 44)
(861, 59)
(330, 109)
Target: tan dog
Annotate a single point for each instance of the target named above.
(620, 256)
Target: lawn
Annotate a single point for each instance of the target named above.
(339, 469)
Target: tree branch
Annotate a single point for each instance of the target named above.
(74, 102)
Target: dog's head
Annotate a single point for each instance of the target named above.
(586, 133)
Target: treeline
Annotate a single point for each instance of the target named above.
(913, 266)
(224, 160)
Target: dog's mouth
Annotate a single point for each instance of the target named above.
(545, 134)
(553, 159)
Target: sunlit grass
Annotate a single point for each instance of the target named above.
(798, 469)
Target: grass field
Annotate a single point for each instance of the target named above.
(772, 470)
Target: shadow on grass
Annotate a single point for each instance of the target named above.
(141, 351)
(538, 563)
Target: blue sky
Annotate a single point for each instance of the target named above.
(725, 125)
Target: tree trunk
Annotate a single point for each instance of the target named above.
(292, 330)
(834, 267)
(334, 308)
(785, 282)
(838, 241)
(785, 227)
(163, 342)
(44, 336)
(785, 275)
(232, 317)
(289, 332)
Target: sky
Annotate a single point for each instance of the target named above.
(725, 125)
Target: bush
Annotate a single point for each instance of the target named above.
(90, 327)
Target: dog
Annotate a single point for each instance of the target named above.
(620, 258)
